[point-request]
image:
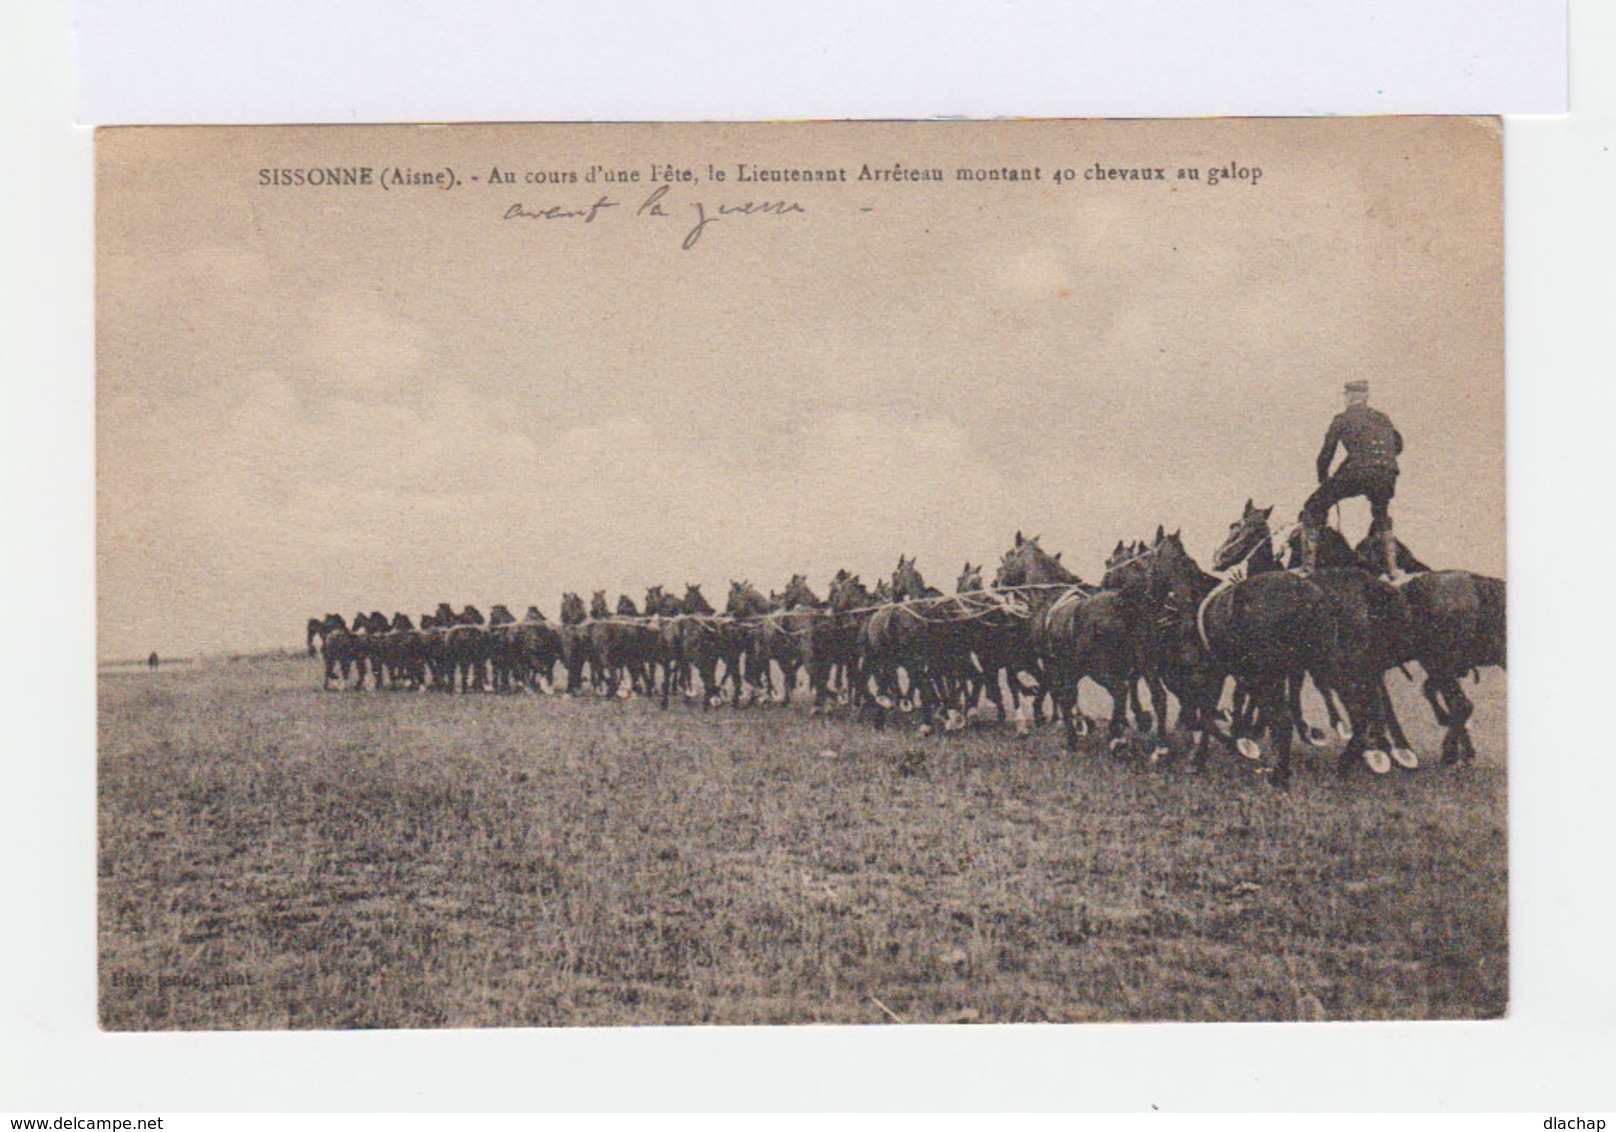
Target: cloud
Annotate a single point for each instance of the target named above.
(355, 343)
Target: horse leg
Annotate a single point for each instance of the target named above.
(1435, 693)
(1142, 720)
(1402, 751)
(1158, 730)
(1362, 715)
(1064, 695)
(1273, 709)
(1463, 710)
(1118, 685)
(1311, 735)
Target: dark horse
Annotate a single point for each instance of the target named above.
(538, 647)
(996, 632)
(469, 650)
(1267, 632)
(1078, 632)
(575, 644)
(700, 644)
(741, 644)
(1374, 632)
(341, 650)
(787, 635)
(1459, 626)
(916, 633)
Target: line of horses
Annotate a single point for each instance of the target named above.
(1157, 625)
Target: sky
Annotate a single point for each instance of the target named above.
(333, 399)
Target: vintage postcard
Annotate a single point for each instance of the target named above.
(862, 573)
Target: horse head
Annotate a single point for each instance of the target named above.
(626, 606)
(471, 615)
(1131, 565)
(1177, 573)
(402, 623)
(533, 614)
(1028, 564)
(695, 601)
(1246, 534)
(970, 579)
(798, 593)
(1370, 557)
(572, 610)
(499, 615)
(745, 600)
(907, 582)
(848, 592)
(598, 606)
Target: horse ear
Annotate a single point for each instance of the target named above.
(1019, 539)
(1161, 532)
(1058, 555)
(1267, 511)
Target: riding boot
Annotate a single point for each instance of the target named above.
(1310, 550)
(1388, 542)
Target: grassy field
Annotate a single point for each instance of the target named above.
(272, 856)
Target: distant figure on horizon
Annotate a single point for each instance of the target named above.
(1370, 470)
(151, 662)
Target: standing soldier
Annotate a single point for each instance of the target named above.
(1370, 470)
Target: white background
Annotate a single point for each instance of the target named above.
(1555, 1052)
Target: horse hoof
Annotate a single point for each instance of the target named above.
(1405, 758)
(1378, 761)
(906, 706)
(1022, 730)
(1317, 737)
(885, 702)
(1248, 747)
(1159, 754)
(1117, 746)
(925, 729)
(1082, 725)
(1344, 729)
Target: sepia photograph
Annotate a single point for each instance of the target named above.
(1042, 572)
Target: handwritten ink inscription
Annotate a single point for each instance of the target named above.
(658, 206)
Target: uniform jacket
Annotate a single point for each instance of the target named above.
(1370, 438)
